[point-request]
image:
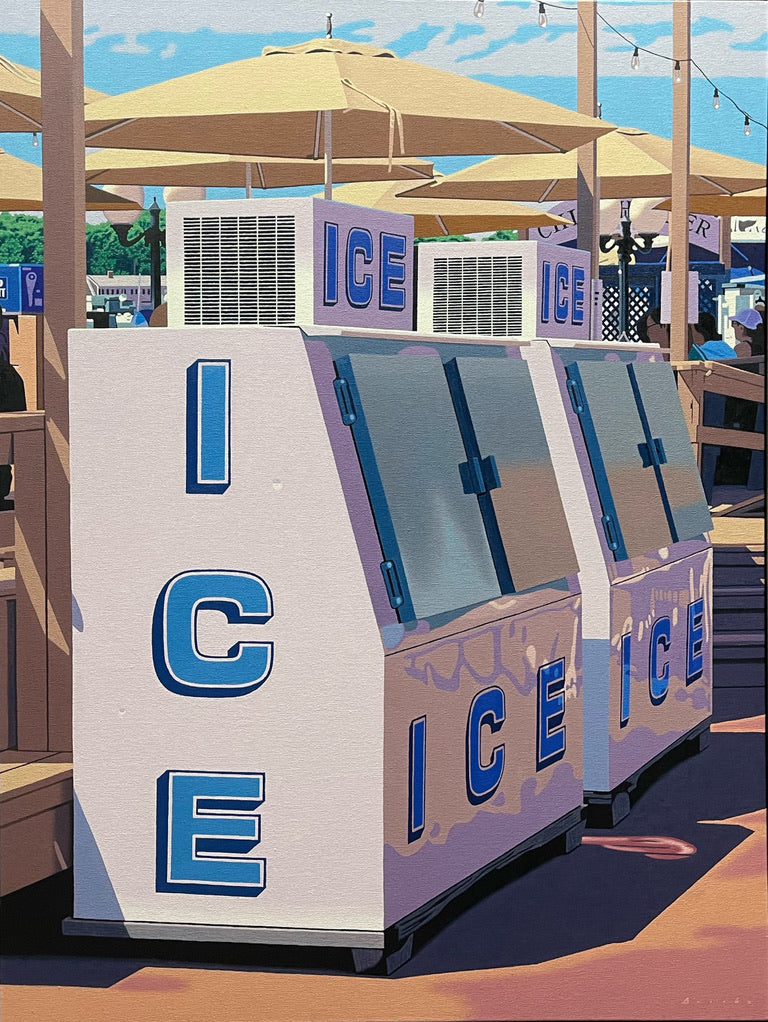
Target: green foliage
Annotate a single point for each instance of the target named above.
(21, 241)
(104, 252)
(21, 238)
(502, 236)
(444, 237)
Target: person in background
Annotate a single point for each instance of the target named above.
(12, 399)
(749, 330)
(651, 330)
(704, 330)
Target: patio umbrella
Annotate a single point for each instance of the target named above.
(751, 203)
(20, 103)
(435, 217)
(21, 188)
(338, 99)
(147, 167)
(630, 164)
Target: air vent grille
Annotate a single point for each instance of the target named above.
(239, 270)
(478, 295)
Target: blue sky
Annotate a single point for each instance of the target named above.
(146, 41)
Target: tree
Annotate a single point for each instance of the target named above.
(502, 236)
(21, 241)
(444, 237)
(21, 238)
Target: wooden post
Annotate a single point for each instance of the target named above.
(681, 159)
(30, 577)
(61, 53)
(724, 253)
(587, 181)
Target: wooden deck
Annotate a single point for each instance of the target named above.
(35, 816)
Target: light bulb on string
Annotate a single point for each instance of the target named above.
(35, 141)
(747, 129)
(542, 16)
(716, 100)
(678, 74)
(635, 62)
(479, 10)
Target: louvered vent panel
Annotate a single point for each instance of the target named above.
(239, 270)
(478, 295)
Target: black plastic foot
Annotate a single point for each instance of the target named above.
(699, 742)
(572, 837)
(606, 812)
(380, 961)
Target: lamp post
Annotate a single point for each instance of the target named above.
(153, 236)
(626, 245)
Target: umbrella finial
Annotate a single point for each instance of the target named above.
(329, 26)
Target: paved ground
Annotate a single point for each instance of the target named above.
(664, 917)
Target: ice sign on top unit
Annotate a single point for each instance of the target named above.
(278, 262)
(516, 289)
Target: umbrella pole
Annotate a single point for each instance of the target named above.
(328, 153)
(248, 180)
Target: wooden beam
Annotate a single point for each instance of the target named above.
(61, 53)
(730, 438)
(681, 161)
(724, 253)
(587, 181)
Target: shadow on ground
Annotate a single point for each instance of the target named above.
(533, 911)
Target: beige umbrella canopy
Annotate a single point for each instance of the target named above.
(147, 167)
(21, 188)
(283, 104)
(630, 163)
(436, 217)
(750, 203)
(20, 104)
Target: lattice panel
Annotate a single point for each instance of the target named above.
(641, 300)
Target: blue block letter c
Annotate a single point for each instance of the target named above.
(179, 664)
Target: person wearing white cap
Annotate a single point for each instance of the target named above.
(749, 330)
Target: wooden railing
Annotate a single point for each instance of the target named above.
(731, 379)
(24, 722)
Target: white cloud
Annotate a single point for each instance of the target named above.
(168, 51)
(747, 21)
(130, 45)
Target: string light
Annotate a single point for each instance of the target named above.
(479, 10)
(677, 74)
(35, 141)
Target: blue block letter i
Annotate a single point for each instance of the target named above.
(209, 419)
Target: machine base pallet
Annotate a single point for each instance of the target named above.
(564, 835)
(372, 950)
(607, 808)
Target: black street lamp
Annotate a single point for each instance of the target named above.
(626, 246)
(154, 237)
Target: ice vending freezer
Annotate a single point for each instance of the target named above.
(327, 647)
(639, 521)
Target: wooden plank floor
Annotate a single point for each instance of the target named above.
(738, 532)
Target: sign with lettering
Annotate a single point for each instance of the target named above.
(21, 287)
(563, 292)
(363, 266)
